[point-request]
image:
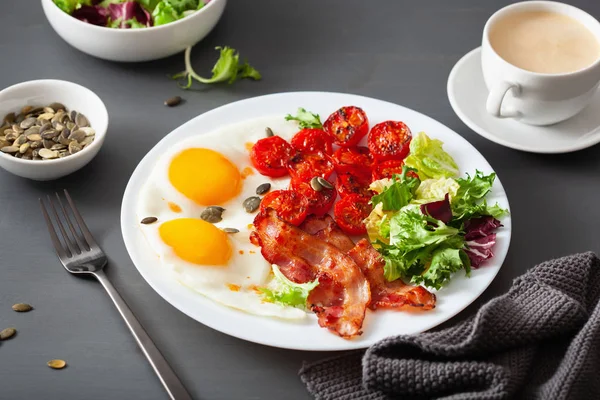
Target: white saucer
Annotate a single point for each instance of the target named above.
(467, 94)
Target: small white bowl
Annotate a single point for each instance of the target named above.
(132, 45)
(42, 93)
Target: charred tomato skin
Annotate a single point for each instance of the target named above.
(350, 213)
(349, 159)
(319, 203)
(347, 126)
(389, 140)
(289, 205)
(310, 140)
(305, 166)
(270, 156)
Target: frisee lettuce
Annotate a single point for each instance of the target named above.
(283, 291)
(226, 69)
(69, 6)
(469, 201)
(305, 119)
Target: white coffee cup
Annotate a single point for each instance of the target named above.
(537, 98)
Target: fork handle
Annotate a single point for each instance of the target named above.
(167, 376)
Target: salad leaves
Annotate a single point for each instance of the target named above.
(427, 156)
(130, 13)
(427, 229)
(285, 292)
(306, 119)
(227, 69)
(399, 193)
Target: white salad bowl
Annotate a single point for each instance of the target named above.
(42, 93)
(134, 45)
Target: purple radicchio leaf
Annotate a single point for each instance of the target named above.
(439, 210)
(92, 15)
(129, 10)
(480, 238)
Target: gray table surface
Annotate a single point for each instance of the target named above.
(399, 51)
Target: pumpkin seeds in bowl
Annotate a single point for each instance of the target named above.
(59, 131)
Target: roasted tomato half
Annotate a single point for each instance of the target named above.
(347, 126)
(320, 202)
(389, 140)
(350, 213)
(305, 166)
(357, 182)
(312, 140)
(290, 205)
(270, 156)
(386, 169)
(347, 159)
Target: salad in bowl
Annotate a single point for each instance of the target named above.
(130, 14)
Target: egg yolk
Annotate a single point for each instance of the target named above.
(196, 241)
(204, 176)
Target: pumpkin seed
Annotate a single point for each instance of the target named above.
(27, 123)
(7, 333)
(58, 146)
(9, 149)
(57, 364)
(324, 182)
(48, 143)
(9, 118)
(269, 132)
(263, 188)
(24, 147)
(81, 120)
(10, 135)
(49, 110)
(50, 133)
(149, 220)
(251, 204)
(88, 131)
(20, 140)
(315, 184)
(212, 214)
(230, 230)
(35, 144)
(26, 109)
(16, 128)
(65, 133)
(87, 140)
(64, 141)
(173, 101)
(74, 147)
(48, 154)
(22, 307)
(78, 135)
(57, 106)
(34, 137)
(20, 118)
(45, 116)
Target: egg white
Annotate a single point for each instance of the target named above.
(248, 270)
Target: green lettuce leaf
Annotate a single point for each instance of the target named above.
(431, 161)
(413, 237)
(435, 189)
(285, 292)
(399, 193)
(149, 5)
(164, 13)
(180, 6)
(445, 261)
(69, 6)
(469, 201)
(305, 119)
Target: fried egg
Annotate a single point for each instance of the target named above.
(212, 169)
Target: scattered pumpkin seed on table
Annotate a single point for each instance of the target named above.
(264, 188)
(22, 307)
(173, 101)
(7, 333)
(53, 127)
(251, 204)
(57, 364)
(212, 214)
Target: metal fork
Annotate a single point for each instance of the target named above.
(80, 254)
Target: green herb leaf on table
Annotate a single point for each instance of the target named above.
(305, 119)
(227, 69)
(283, 291)
(429, 158)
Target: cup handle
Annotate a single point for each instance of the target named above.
(496, 97)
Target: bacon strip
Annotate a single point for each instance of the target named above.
(387, 294)
(384, 294)
(326, 229)
(343, 294)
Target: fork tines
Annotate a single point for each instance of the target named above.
(74, 241)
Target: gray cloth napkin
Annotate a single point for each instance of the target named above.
(541, 340)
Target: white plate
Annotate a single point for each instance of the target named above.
(467, 94)
(307, 335)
